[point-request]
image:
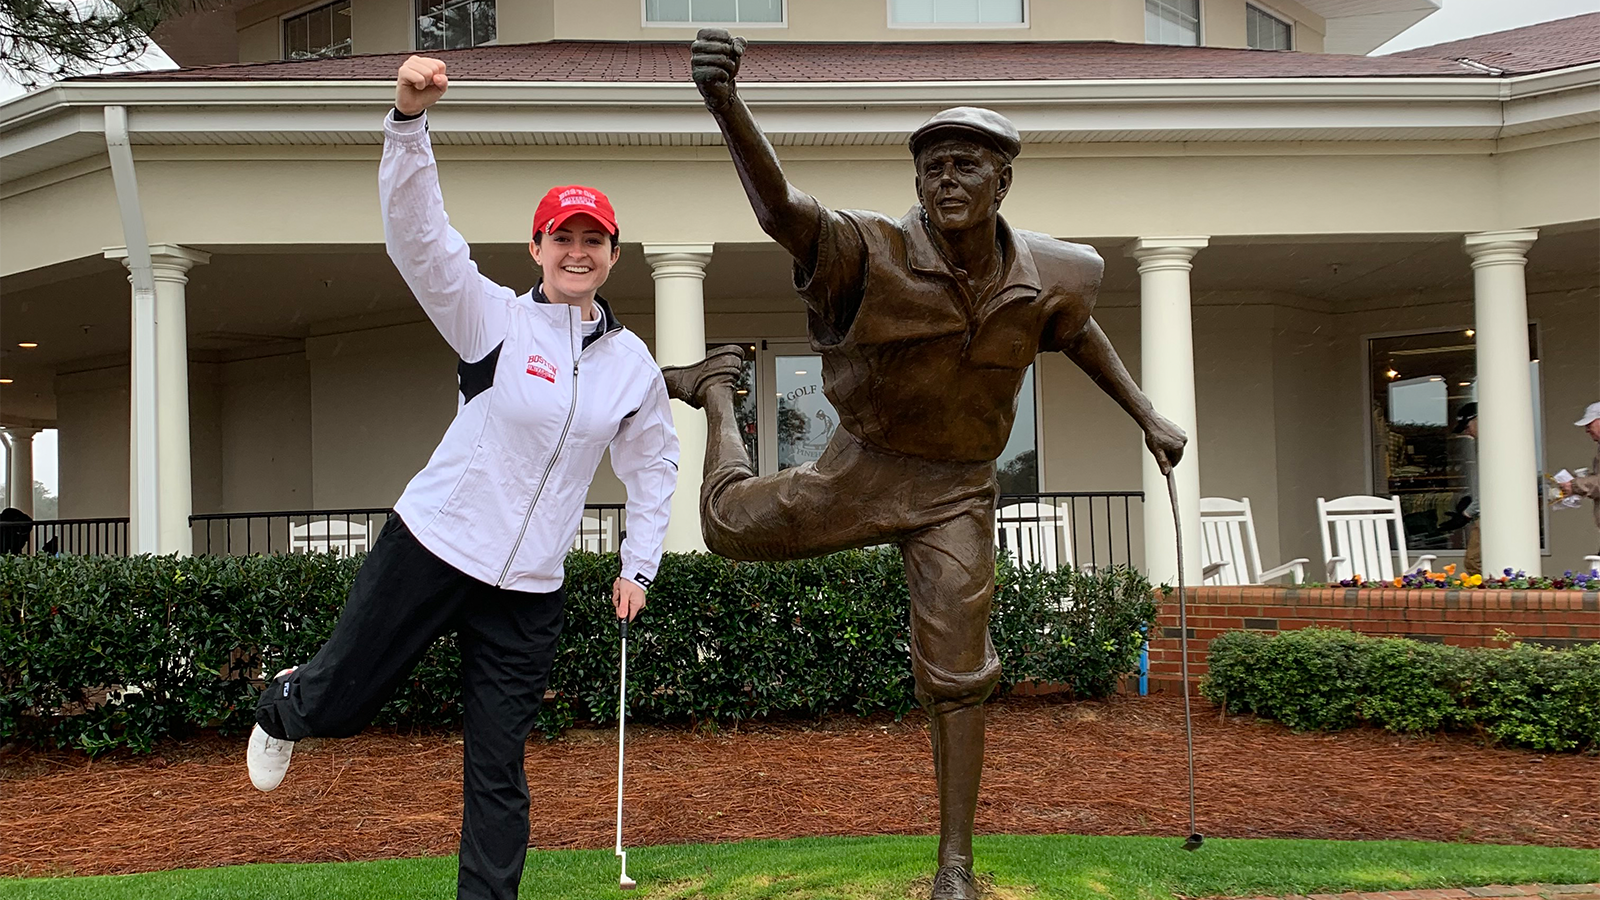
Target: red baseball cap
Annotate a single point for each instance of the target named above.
(562, 203)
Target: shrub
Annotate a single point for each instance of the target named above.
(1328, 679)
(181, 643)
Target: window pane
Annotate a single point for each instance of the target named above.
(746, 403)
(1172, 22)
(715, 10)
(761, 10)
(341, 29)
(1000, 11)
(955, 11)
(806, 419)
(666, 10)
(911, 11)
(296, 38)
(321, 29)
(430, 32)
(1018, 465)
(457, 27)
(483, 22)
(1265, 31)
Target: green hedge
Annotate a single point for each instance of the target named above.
(1326, 679)
(720, 641)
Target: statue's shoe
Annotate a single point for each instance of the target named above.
(690, 383)
(954, 883)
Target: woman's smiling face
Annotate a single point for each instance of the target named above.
(576, 258)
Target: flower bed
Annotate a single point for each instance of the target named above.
(1450, 580)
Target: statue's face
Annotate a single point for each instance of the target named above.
(961, 183)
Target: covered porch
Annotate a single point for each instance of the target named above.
(315, 387)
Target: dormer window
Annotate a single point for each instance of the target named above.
(1172, 22)
(1265, 31)
(713, 12)
(318, 33)
(455, 24)
(917, 13)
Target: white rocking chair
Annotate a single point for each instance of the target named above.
(1034, 533)
(1228, 549)
(1356, 539)
(328, 536)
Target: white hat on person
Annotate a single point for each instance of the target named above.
(1589, 415)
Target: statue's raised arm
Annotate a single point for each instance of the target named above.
(787, 214)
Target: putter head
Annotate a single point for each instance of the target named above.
(1193, 842)
(623, 881)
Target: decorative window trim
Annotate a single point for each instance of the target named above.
(1287, 21)
(1024, 25)
(645, 21)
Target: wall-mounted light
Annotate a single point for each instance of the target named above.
(27, 345)
(1470, 332)
(1392, 373)
(5, 381)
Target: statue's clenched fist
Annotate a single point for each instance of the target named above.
(420, 82)
(715, 59)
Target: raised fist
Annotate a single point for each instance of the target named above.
(715, 59)
(420, 82)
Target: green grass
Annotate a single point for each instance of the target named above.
(1023, 868)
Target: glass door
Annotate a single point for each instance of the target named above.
(797, 420)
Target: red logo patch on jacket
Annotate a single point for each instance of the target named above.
(544, 368)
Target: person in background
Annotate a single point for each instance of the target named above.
(1467, 424)
(1589, 485)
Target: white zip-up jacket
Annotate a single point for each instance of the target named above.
(502, 497)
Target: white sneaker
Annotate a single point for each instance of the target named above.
(268, 757)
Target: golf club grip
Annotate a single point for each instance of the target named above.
(624, 623)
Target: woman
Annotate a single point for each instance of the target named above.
(549, 380)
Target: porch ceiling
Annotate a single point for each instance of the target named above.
(245, 302)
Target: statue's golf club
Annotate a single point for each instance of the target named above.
(624, 881)
(1195, 839)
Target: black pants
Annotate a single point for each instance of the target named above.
(403, 599)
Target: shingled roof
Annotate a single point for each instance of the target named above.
(1573, 41)
(1538, 48)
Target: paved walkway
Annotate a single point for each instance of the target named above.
(1544, 891)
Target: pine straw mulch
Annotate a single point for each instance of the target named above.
(1112, 768)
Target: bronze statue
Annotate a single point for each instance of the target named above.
(926, 327)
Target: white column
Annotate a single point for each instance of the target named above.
(19, 478)
(168, 391)
(1166, 353)
(1509, 506)
(680, 273)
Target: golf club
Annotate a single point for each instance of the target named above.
(1195, 839)
(624, 881)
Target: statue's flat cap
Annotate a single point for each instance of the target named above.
(986, 125)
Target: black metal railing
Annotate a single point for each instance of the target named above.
(347, 531)
(1084, 529)
(79, 537)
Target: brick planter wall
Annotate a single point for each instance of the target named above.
(1464, 618)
